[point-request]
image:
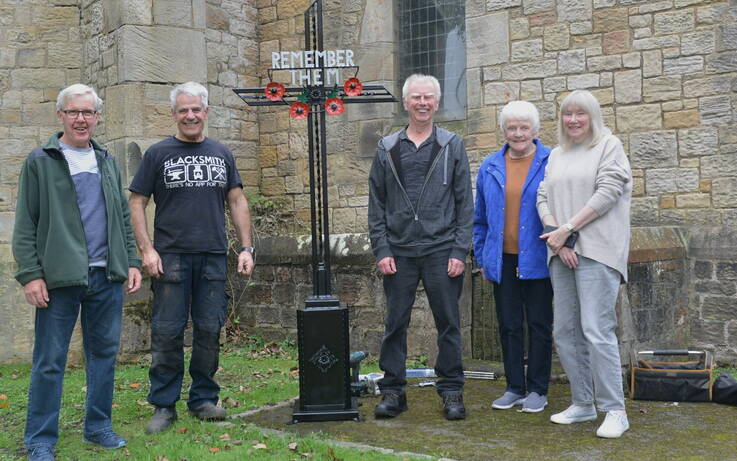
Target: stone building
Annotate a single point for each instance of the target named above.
(665, 72)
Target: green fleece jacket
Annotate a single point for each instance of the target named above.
(48, 238)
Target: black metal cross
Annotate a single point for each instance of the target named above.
(315, 97)
(322, 327)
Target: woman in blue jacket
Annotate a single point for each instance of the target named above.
(508, 249)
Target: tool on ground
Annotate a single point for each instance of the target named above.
(359, 387)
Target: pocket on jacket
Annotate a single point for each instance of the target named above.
(399, 222)
(432, 222)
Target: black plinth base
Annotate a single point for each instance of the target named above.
(324, 363)
(299, 416)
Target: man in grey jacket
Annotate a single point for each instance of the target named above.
(420, 221)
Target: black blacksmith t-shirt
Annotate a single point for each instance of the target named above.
(190, 183)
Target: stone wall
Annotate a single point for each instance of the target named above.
(40, 53)
(713, 291)
(132, 52)
(283, 280)
(664, 71)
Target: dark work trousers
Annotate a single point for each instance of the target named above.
(442, 293)
(192, 282)
(516, 300)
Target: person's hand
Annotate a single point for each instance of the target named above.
(556, 239)
(387, 266)
(36, 293)
(568, 257)
(134, 280)
(152, 263)
(455, 267)
(245, 263)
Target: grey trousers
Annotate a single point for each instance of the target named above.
(584, 323)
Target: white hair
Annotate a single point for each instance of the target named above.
(588, 103)
(522, 110)
(191, 89)
(77, 89)
(420, 78)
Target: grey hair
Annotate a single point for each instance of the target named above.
(587, 102)
(191, 89)
(420, 78)
(522, 110)
(77, 89)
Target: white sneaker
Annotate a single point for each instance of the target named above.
(615, 424)
(575, 414)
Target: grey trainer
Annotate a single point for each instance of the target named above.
(534, 403)
(507, 401)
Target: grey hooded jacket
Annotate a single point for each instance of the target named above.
(443, 216)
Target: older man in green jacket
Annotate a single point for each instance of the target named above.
(74, 247)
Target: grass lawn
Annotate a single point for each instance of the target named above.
(250, 376)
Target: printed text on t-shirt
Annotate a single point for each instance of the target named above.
(195, 171)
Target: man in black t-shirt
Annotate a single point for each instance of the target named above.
(190, 177)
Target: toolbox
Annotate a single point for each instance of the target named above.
(671, 375)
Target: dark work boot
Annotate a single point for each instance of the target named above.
(392, 403)
(162, 419)
(453, 407)
(208, 412)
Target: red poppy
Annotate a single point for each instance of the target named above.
(274, 91)
(299, 110)
(334, 106)
(353, 87)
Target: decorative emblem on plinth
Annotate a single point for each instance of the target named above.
(323, 359)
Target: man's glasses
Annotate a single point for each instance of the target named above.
(87, 114)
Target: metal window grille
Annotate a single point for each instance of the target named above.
(432, 41)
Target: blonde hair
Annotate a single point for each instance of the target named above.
(587, 102)
(420, 78)
(522, 110)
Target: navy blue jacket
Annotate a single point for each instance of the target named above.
(488, 224)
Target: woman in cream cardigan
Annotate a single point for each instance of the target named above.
(587, 189)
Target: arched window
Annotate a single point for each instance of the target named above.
(432, 40)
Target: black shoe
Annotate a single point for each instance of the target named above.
(208, 412)
(162, 419)
(392, 403)
(453, 407)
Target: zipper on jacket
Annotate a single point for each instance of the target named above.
(435, 161)
(102, 169)
(427, 178)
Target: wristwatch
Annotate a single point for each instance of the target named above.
(248, 249)
(568, 226)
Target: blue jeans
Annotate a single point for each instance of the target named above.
(192, 283)
(515, 300)
(443, 293)
(102, 307)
